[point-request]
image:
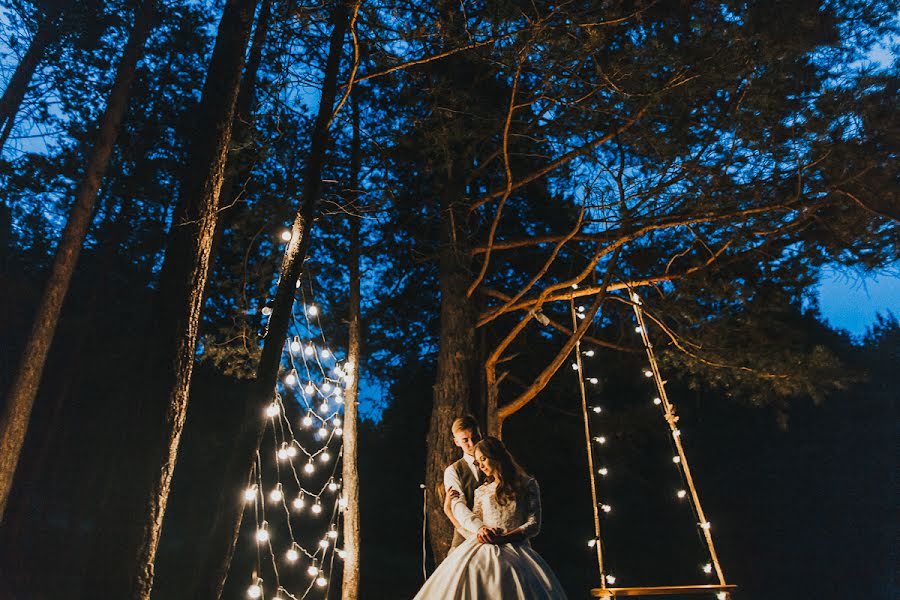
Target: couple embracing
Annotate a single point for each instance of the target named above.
(495, 508)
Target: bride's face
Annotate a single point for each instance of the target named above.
(484, 463)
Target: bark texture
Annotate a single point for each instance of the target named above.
(183, 279)
(350, 466)
(222, 539)
(20, 399)
(455, 384)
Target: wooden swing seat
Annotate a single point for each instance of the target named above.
(667, 590)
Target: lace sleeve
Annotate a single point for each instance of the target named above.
(532, 525)
(470, 520)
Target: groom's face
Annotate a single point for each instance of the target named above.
(465, 440)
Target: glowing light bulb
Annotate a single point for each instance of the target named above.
(312, 310)
(338, 399)
(676, 459)
(309, 389)
(250, 493)
(272, 410)
(676, 433)
(309, 350)
(597, 409)
(600, 439)
(323, 433)
(721, 596)
(321, 581)
(657, 401)
(610, 579)
(592, 543)
(603, 471)
(342, 503)
(589, 353)
(255, 590)
(313, 570)
(707, 568)
(309, 468)
(336, 421)
(332, 486)
(606, 508)
(282, 452)
(574, 366)
(290, 379)
(323, 544)
(326, 353)
(323, 408)
(581, 315)
(316, 508)
(705, 525)
(638, 329)
(292, 555)
(298, 503)
(338, 431)
(581, 309)
(291, 450)
(635, 298)
(326, 387)
(276, 494)
(342, 553)
(266, 311)
(595, 381)
(681, 494)
(332, 533)
(325, 457)
(286, 235)
(648, 373)
(307, 421)
(295, 346)
(262, 534)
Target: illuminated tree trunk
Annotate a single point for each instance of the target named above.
(454, 385)
(223, 536)
(350, 476)
(47, 32)
(20, 399)
(161, 400)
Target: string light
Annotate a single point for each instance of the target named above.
(309, 350)
(574, 366)
(292, 555)
(705, 525)
(325, 457)
(592, 543)
(606, 508)
(282, 452)
(332, 486)
(295, 345)
(262, 534)
(316, 508)
(610, 578)
(707, 568)
(676, 459)
(595, 381)
(276, 494)
(290, 379)
(603, 471)
(589, 353)
(321, 581)
(332, 533)
(272, 410)
(342, 554)
(312, 310)
(648, 373)
(309, 468)
(307, 420)
(312, 570)
(255, 590)
(638, 329)
(298, 503)
(721, 596)
(600, 439)
(309, 389)
(597, 409)
(286, 235)
(323, 544)
(250, 493)
(657, 401)
(681, 494)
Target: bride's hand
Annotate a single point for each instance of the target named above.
(490, 535)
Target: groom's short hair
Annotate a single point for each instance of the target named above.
(466, 423)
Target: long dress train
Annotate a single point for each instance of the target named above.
(510, 571)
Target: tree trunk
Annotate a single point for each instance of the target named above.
(20, 400)
(158, 419)
(223, 536)
(47, 32)
(453, 388)
(350, 476)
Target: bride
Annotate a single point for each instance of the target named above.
(496, 560)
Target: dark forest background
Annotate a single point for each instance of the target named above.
(746, 147)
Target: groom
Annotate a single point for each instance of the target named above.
(463, 475)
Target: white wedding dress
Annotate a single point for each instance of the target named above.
(511, 571)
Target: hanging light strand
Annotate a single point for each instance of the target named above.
(672, 419)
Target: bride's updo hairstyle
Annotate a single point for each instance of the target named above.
(510, 477)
